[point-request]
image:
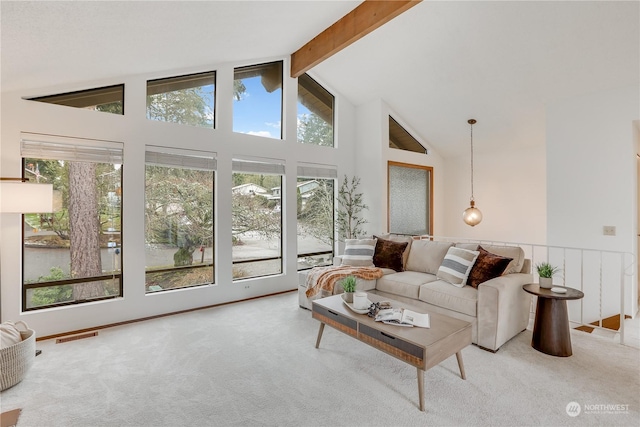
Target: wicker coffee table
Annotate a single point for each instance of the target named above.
(419, 347)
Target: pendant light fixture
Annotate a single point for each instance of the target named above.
(472, 215)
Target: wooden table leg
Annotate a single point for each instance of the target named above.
(461, 365)
(421, 388)
(319, 334)
(551, 333)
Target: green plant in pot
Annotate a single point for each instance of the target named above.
(546, 272)
(349, 286)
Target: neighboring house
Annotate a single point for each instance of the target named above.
(304, 188)
(250, 190)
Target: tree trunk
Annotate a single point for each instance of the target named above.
(84, 229)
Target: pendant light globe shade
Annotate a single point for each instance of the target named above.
(472, 215)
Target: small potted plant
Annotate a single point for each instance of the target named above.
(546, 272)
(349, 286)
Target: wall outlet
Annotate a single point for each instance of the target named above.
(609, 230)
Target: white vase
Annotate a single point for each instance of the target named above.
(546, 282)
(347, 297)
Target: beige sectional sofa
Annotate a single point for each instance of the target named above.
(497, 308)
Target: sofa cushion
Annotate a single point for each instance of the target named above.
(388, 254)
(399, 238)
(486, 267)
(442, 294)
(516, 253)
(456, 266)
(426, 255)
(359, 252)
(406, 283)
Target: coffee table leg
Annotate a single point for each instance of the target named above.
(421, 388)
(461, 365)
(320, 334)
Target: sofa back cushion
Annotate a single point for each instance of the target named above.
(359, 252)
(389, 254)
(516, 253)
(426, 256)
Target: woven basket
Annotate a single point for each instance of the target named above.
(16, 360)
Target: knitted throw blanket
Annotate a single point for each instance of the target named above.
(325, 278)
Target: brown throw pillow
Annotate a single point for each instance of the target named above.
(487, 267)
(388, 254)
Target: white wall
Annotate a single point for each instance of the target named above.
(591, 170)
(134, 130)
(371, 159)
(509, 190)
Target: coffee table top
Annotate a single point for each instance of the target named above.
(441, 326)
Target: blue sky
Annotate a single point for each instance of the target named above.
(259, 112)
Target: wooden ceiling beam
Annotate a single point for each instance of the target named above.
(362, 20)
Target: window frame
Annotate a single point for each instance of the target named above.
(68, 99)
(324, 173)
(186, 159)
(321, 95)
(49, 147)
(261, 167)
(248, 69)
(155, 84)
(429, 187)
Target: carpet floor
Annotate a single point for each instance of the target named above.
(254, 364)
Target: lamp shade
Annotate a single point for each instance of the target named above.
(25, 197)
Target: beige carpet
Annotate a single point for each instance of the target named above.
(254, 363)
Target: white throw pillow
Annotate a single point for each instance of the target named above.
(456, 266)
(9, 335)
(359, 252)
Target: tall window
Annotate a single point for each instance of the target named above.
(179, 218)
(316, 230)
(189, 100)
(315, 113)
(109, 99)
(257, 106)
(257, 218)
(74, 254)
(410, 199)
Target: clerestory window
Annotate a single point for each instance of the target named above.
(109, 99)
(315, 113)
(257, 103)
(188, 100)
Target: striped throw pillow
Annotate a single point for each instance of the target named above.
(456, 266)
(359, 252)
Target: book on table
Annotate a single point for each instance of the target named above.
(403, 317)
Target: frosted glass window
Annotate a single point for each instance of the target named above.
(409, 199)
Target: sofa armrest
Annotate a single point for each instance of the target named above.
(337, 260)
(503, 309)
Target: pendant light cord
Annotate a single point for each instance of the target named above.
(471, 159)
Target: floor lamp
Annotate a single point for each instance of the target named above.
(19, 196)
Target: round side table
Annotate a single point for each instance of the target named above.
(551, 326)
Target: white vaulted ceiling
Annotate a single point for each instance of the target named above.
(436, 65)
